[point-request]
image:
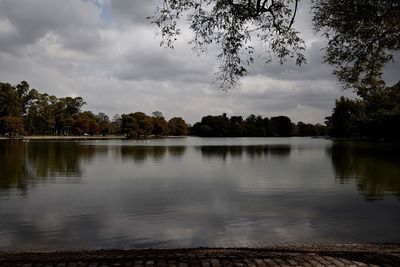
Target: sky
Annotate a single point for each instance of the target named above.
(107, 52)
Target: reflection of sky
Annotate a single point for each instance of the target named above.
(197, 200)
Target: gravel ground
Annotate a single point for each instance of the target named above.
(315, 255)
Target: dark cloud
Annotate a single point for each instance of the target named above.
(30, 21)
(135, 11)
(163, 64)
(314, 69)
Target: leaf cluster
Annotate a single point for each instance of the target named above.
(234, 26)
(362, 37)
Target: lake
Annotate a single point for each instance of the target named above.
(191, 192)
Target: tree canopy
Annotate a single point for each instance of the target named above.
(253, 126)
(234, 25)
(376, 116)
(362, 34)
(362, 37)
(26, 111)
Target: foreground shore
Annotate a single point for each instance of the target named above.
(72, 137)
(315, 255)
(82, 137)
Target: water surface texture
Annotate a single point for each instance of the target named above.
(191, 192)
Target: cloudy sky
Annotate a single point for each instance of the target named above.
(108, 53)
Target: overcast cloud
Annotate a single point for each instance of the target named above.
(108, 53)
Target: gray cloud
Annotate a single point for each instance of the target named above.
(107, 52)
(162, 64)
(33, 20)
(135, 11)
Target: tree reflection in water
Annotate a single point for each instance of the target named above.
(374, 167)
(25, 163)
(141, 154)
(251, 151)
(13, 171)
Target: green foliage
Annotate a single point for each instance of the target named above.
(138, 125)
(281, 126)
(377, 116)
(128, 125)
(177, 127)
(11, 123)
(104, 123)
(37, 113)
(144, 124)
(253, 126)
(24, 110)
(11, 126)
(234, 26)
(160, 124)
(41, 117)
(10, 102)
(362, 36)
(85, 123)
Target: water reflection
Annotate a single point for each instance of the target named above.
(13, 171)
(176, 151)
(374, 167)
(223, 152)
(23, 163)
(251, 191)
(59, 159)
(142, 154)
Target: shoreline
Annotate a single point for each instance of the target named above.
(71, 137)
(80, 137)
(287, 255)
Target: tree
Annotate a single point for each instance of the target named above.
(362, 37)
(104, 123)
(115, 125)
(10, 102)
(72, 106)
(281, 126)
(145, 124)
(129, 125)
(306, 129)
(234, 25)
(177, 126)
(85, 123)
(11, 126)
(362, 34)
(377, 116)
(27, 96)
(41, 116)
(159, 123)
(11, 123)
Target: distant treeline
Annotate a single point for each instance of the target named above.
(254, 126)
(26, 111)
(375, 116)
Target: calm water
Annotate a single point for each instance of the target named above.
(196, 192)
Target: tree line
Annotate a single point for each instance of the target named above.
(254, 126)
(26, 111)
(376, 115)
